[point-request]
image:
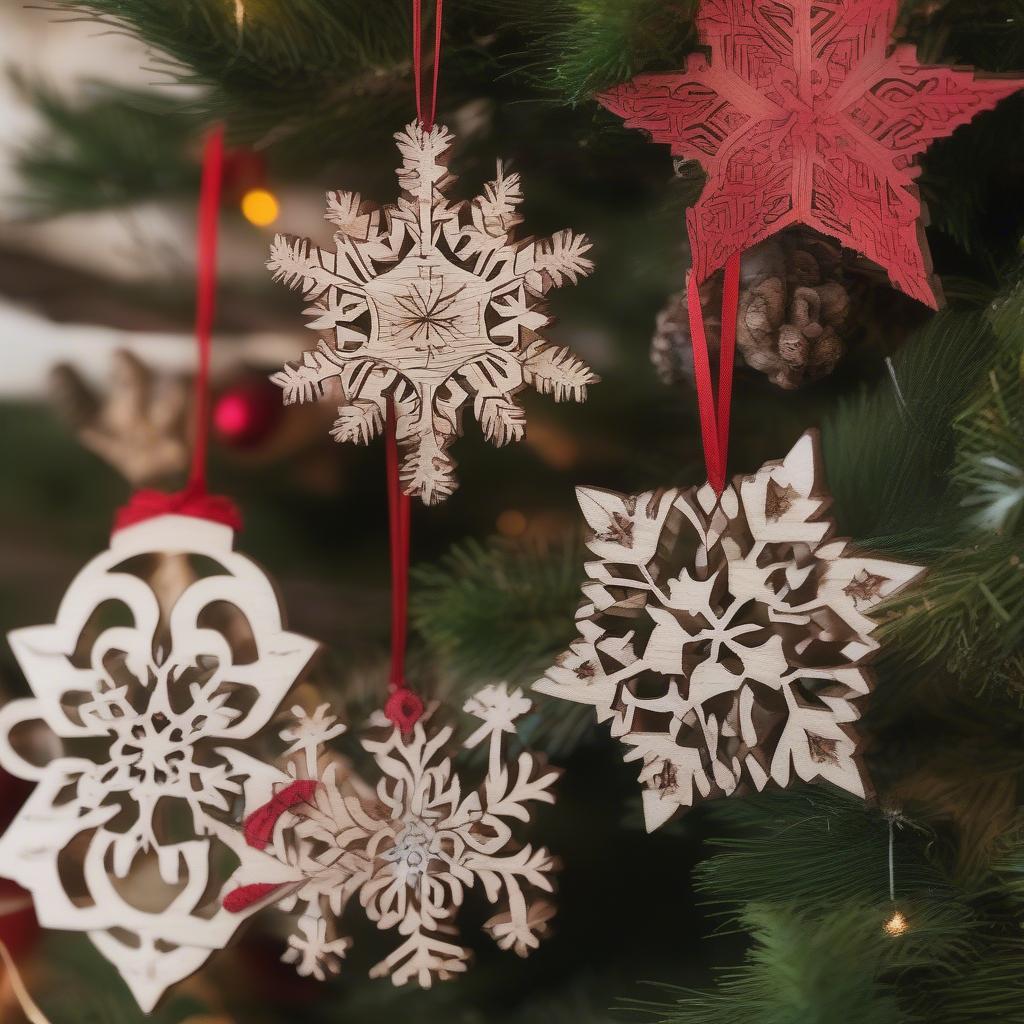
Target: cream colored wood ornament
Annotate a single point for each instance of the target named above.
(432, 303)
(154, 709)
(140, 427)
(726, 640)
(409, 849)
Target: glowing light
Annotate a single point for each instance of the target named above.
(896, 925)
(260, 207)
(511, 523)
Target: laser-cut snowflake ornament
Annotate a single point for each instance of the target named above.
(154, 704)
(804, 115)
(431, 303)
(408, 849)
(726, 640)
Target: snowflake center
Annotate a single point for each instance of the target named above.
(429, 314)
(432, 319)
(156, 751)
(413, 849)
(155, 748)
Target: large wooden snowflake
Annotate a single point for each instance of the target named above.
(153, 704)
(431, 303)
(406, 850)
(803, 115)
(726, 640)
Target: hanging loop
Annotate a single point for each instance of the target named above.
(714, 415)
(417, 61)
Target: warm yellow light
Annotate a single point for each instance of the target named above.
(260, 207)
(512, 523)
(896, 925)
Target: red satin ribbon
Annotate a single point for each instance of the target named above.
(194, 500)
(714, 418)
(417, 60)
(403, 707)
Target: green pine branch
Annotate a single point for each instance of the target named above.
(271, 68)
(504, 611)
(888, 450)
(104, 148)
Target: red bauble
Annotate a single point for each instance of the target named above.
(247, 413)
(18, 926)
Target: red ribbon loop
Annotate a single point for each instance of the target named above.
(260, 825)
(714, 419)
(417, 60)
(245, 896)
(403, 707)
(193, 500)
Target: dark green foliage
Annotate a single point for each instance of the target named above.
(105, 148)
(888, 449)
(819, 951)
(286, 68)
(803, 828)
(503, 609)
(578, 47)
(797, 972)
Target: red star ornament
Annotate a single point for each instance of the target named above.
(802, 115)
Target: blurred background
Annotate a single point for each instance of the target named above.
(99, 168)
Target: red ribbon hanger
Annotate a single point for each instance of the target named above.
(404, 707)
(714, 416)
(194, 500)
(417, 60)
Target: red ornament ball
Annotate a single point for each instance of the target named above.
(247, 413)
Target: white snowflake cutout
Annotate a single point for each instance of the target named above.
(154, 707)
(725, 638)
(409, 850)
(431, 303)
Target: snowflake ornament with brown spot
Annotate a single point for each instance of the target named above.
(726, 640)
(431, 303)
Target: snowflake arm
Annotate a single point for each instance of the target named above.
(557, 370)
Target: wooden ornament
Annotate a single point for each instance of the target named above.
(804, 114)
(139, 427)
(431, 303)
(726, 639)
(408, 849)
(155, 709)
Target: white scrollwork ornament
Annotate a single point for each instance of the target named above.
(154, 701)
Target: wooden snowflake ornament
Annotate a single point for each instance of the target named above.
(431, 303)
(726, 640)
(154, 706)
(406, 850)
(804, 115)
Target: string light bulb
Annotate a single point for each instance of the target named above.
(260, 207)
(896, 925)
(512, 523)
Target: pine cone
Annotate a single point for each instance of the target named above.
(792, 316)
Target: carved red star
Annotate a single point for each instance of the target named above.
(802, 115)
